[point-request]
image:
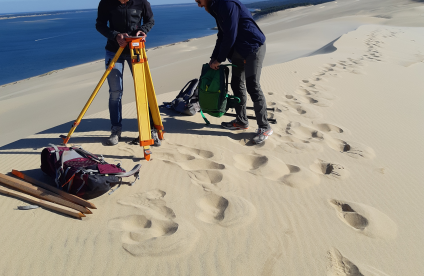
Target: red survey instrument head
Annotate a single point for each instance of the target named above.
(135, 42)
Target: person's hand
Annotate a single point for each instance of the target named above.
(121, 40)
(214, 64)
(140, 33)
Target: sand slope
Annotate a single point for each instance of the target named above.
(336, 190)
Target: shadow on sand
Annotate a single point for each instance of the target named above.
(172, 124)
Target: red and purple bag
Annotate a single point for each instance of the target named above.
(82, 173)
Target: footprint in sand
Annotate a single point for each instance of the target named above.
(365, 219)
(339, 265)
(354, 150)
(154, 230)
(274, 169)
(315, 101)
(299, 177)
(200, 164)
(304, 132)
(315, 79)
(292, 144)
(315, 93)
(290, 97)
(174, 157)
(330, 170)
(207, 179)
(190, 158)
(205, 176)
(182, 153)
(193, 151)
(321, 73)
(225, 211)
(324, 127)
(299, 109)
(307, 83)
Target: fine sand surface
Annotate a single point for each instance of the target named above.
(336, 190)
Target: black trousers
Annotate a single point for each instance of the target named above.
(247, 74)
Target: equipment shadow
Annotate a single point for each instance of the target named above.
(172, 124)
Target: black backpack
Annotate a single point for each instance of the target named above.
(82, 173)
(187, 101)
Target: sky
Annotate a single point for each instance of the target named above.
(16, 6)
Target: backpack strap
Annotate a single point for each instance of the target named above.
(227, 73)
(89, 155)
(204, 118)
(56, 150)
(59, 170)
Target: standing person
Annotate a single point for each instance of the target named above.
(117, 19)
(241, 41)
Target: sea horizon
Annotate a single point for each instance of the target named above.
(46, 45)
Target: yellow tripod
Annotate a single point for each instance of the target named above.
(145, 95)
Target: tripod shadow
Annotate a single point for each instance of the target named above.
(86, 126)
(172, 124)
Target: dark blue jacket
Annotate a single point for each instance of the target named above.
(236, 30)
(114, 18)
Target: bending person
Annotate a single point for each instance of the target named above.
(241, 41)
(117, 19)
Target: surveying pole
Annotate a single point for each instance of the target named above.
(145, 95)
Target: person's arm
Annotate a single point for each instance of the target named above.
(230, 17)
(148, 20)
(101, 21)
(217, 44)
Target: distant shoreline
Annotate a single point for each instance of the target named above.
(94, 61)
(100, 60)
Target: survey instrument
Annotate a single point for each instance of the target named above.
(145, 95)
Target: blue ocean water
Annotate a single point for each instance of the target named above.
(34, 44)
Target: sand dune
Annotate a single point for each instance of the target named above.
(336, 190)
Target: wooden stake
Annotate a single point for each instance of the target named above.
(72, 198)
(40, 193)
(46, 204)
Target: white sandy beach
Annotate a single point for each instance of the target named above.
(336, 190)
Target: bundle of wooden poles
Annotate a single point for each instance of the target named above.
(36, 192)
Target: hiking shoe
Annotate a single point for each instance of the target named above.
(262, 135)
(233, 125)
(114, 136)
(155, 138)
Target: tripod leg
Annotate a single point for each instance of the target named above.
(141, 102)
(93, 95)
(151, 96)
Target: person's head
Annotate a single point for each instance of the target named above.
(123, 1)
(203, 4)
